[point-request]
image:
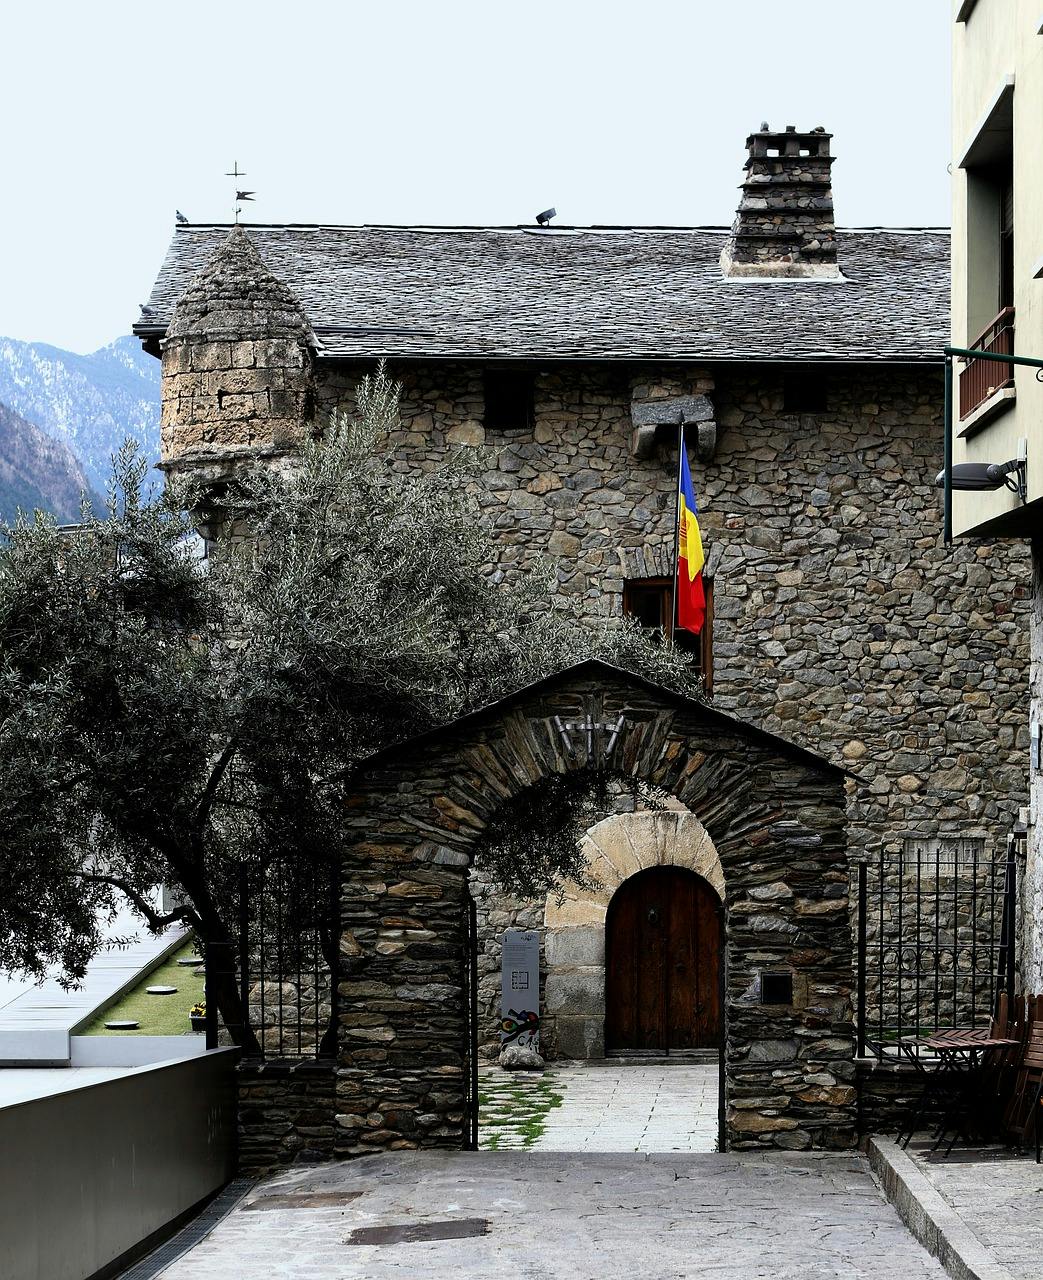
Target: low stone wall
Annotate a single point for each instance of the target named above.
(887, 1094)
(286, 1113)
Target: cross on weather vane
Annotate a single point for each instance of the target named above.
(240, 196)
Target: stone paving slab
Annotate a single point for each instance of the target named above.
(601, 1106)
(999, 1196)
(620, 1106)
(551, 1216)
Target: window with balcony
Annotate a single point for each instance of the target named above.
(988, 164)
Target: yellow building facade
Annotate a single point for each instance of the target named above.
(997, 306)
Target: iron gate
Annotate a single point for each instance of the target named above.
(936, 932)
(287, 948)
(469, 1055)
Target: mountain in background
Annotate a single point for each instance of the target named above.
(37, 471)
(91, 403)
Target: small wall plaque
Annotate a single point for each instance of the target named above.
(520, 989)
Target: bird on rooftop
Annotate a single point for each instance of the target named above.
(180, 216)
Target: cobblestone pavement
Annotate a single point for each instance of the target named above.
(548, 1216)
(999, 1196)
(514, 1107)
(603, 1106)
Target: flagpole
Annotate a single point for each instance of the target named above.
(677, 533)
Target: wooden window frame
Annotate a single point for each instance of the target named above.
(702, 644)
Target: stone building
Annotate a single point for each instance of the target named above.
(804, 364)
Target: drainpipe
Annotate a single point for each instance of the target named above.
(947, 452)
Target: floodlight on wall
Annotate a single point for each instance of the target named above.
(543, 219)
(971, 477)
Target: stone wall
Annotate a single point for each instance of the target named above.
(840, 619)
(286, 1113)
(1032, 898)
(775, 818)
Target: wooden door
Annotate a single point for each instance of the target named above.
(662, 941)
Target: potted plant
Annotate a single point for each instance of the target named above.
(197, 1016)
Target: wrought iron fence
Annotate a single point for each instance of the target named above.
(287, 956)
(935, 947)
(469, 1055)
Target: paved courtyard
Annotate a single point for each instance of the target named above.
(543, 1215)
(602, 1106)
(998, 1195)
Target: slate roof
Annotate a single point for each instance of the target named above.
(604, 672)
(594, 293)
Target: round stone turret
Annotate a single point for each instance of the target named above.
(237, 367)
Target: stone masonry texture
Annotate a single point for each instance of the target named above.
(840, 619)
(840, 622)
(775, 816)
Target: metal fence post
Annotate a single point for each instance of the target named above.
(863, 904)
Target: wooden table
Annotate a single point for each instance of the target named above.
(961, 1057)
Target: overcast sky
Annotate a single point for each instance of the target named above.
(415, 111)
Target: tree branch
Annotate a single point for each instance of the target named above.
(214, 781)
(155, 920)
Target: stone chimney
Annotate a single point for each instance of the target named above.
(237, 367)
(784, 225)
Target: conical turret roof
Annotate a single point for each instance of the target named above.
(237, 298)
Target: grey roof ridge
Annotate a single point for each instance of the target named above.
(529, 229)
(499, 706)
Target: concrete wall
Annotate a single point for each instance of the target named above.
(87, 1174)
(1000, 42)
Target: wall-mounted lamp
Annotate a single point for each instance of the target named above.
(978, 476)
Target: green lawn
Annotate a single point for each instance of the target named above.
(156, 1015)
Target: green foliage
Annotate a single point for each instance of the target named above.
(167, 719)
(532, 846)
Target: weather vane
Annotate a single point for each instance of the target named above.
(240, 196)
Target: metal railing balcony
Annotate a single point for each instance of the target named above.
(979, 379)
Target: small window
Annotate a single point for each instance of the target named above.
(776, 988)
(803, 391)
(508, 401)
(650, 600)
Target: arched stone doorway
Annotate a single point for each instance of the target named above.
(774, 813)
(615, 849)
(663, 963)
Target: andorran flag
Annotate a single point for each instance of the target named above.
(691, 599)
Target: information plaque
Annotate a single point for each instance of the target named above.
(520, 989)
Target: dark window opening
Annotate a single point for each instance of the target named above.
(1007, 247)
(776, 988)
(508, 400)
(650, 601)
(803, 391)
